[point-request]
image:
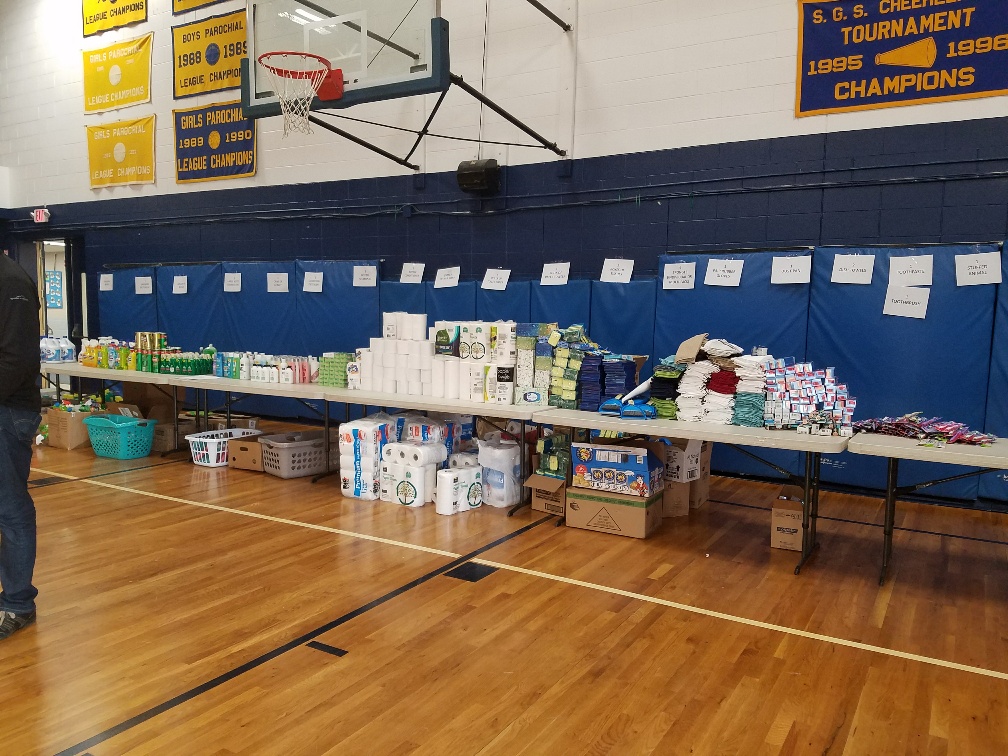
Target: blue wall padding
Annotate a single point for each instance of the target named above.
(196, 318)
(893, 365)
(511, 304)
(995, 485)
(756, 313)
(566, 305)
(400, 297)
(342, 317)
(454, 303)
(623, 317)
(122, 312)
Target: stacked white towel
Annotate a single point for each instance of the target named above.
(721, 348)
(751, 370)
(693, 390)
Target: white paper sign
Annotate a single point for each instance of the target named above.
(791, 270)
(679, 276)
(617, 271)
(143, 285)
(447, 277)
(981, 268)
(276, 283)
(911, 271)
(312, 282)
(555, 274)
(906, 301)
(853, 269)
(180, 285)
(412, 273)
(723, 273)
(365, 276)
(232, 282)
(496, 279)
(105, 282)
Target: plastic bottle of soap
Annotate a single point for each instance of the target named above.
(245, 367)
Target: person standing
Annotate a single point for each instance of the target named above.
(20, 401)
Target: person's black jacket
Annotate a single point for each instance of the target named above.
(19, 338)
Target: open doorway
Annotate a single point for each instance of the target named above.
(57, 267)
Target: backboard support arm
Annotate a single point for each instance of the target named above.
(550, 15)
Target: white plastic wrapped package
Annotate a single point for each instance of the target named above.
(425, 430)
(501, 463)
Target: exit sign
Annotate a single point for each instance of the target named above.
(40, 215)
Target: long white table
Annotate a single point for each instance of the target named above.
(988, 458)
(812, 446)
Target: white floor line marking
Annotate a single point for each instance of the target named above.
(55, 474)
(752, 623)
(268, 518)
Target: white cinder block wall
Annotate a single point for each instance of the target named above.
(650, 74)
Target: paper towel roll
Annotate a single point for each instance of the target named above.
(414, 374)
(390, 324)
(387, 481)
(411, 491)
(477, 381)
(430, 482)
(402, 361)
(424, 454)
(426, 360)
(438, 376)
(388, 386)
(451, 381)
(431, 334)
(398, 473)
(459, 460)
(388, 372)
(414, 388)
(390, 452)
(427, 376)
(427, 389)
(418, 326)
(388, 358)
(402, 347)
(378, 345)
(446, 497)
(465, 381)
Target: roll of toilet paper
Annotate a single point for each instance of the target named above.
(388, 373)
(430, 482)
(477, 381)
(418, 326)
(368, 466)
(438, 376)
(378, 345)
(465, 381)
(390, 452)
(401, 361)
(425, 454)
(390, 325)
(462, 459)
(402, 346)
(427, 389)
(388, 386)
(426, 360)
(451, 381)
(427, 376)
(411, 488)
(414, 388)
(446, 495)
(389, 358)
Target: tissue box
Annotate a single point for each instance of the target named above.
(627, 470)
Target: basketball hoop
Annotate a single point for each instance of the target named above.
(297, 77)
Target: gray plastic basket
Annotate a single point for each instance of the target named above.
(297, 454)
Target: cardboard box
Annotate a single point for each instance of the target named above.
(549, 495)
(786, 525)
(603, 512)
(245, 455)
(67, 430)
(219, 422)
(164, 440)
(700, 488)
(124, 409)
(676, 499)
(628, 470)
(680, 457)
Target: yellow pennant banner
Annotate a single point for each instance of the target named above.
(121, 153)
(181, 6)
(118, 75)
(207, 54)
(102, 15)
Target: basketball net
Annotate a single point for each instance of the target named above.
(295, 78)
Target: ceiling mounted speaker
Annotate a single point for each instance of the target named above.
(479, 176)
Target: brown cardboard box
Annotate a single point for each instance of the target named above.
(245, 455)
(604, 512)
(549, 495)
(676, 499)
(67, 430)
(700, 488)
(164, 440)
(219, 421)
(786, 525)
(124, 409)
(147, 395)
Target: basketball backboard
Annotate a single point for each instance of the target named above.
(385, 48)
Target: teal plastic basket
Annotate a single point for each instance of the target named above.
(119, 437)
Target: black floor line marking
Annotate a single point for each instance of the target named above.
(471, 572)
(878, 525)
(311, 635)
(42, 482)
(327, 648)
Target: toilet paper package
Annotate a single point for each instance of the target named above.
(470, 488)
(447, 493)
(387, 481)
(410, 487)
(501, 468)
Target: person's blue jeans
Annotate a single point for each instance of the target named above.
(17, 510)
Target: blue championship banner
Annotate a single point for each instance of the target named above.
(207, 54)
(214, 142)
(884, 53)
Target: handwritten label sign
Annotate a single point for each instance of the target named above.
(791, 270)
(496, 279)
(915, 270)
(979, 268)
(232, 283)
(679, 276)
(412, 273)
(105, 281)
(365, 276)
(312, 282)
(555, 274)
(853, 269)
(617, 271)
(447, 278)
(180, 285)
(276, 283)
(143, 285)
(723, 273)
(906, 301)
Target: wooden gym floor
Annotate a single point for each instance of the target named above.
(196, 611)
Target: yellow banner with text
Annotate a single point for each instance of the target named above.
(207, 54)
(121, 153)
(102, 15)
(118, 75)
